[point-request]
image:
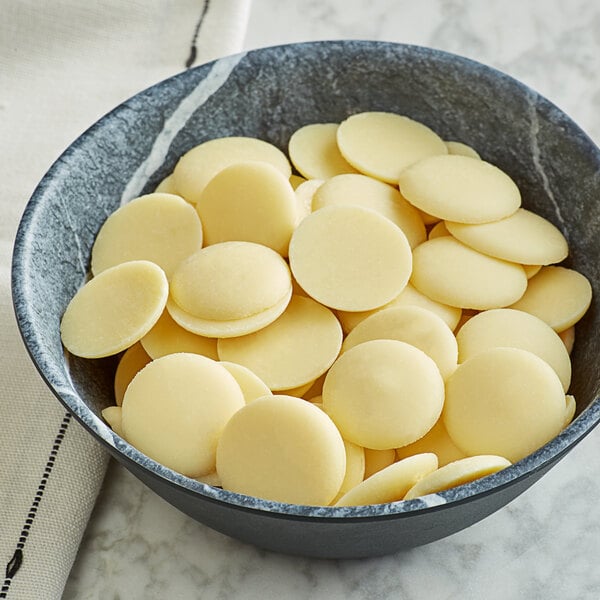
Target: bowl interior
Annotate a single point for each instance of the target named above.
(268, 94)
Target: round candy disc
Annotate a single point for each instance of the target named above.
(461, 149)
(383, 394)
(293, 350)
(382, 144)
(161, 228)
(252, 385)
(460, 188)
(376, 460)
(523, 237)
(503, 401)
(250, 201)
(350, 258)
(392, 483)
(457, 473)
(514, 329)
(557, 295)
(134, 359)
(115, 309)
(314, 151)
(446, 270)
(200, 164)
(175, 409)
(283, 449)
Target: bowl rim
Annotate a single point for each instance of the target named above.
(537, 461)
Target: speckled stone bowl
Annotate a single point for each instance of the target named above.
(269, 93)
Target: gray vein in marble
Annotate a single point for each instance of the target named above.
(217, 76)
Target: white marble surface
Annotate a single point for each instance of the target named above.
(544, 545)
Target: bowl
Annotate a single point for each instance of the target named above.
(269, 93)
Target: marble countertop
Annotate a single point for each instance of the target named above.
(546, 543)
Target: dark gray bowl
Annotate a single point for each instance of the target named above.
(268, 94)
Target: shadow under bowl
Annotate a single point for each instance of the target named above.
(269, 93)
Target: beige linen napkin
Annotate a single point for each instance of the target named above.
(63, 64)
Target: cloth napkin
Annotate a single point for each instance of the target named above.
(63, 64)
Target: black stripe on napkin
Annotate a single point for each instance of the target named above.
(193, 50)
(14, 564)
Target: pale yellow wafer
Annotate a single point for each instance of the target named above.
(283, 449)
(200, 164)
(531, 270)
(355, 469)
(252, 385)
(376, 460)
(457, 473)
(450, 272)
(249, 201)
(304, 196)
(568, 338)
(382, 144)
(571, 407)
(360, 190)
(166, 186)
(557, 295)
(112, 415)
(230, 281)
(167, 337)
(504, 401)
(460, 188)
(461, 149)
(297, 391)
(293, 350)
(134, 359)
(314, 151)
(414, 325)
(523, 237)
(175, 409)
(161, 228)
(436, 440)
(409, 296)
(114, 310)
(383, 394)
(514, 329)
(392, 483)
(350, 258)
(224, 329)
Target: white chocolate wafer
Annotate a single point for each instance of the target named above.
(112, 415)
(383, 394)
(305, 193)
(376, 460)
(167, 186)
(447, 271)
(414, 325)
(224, 329)
(168, 337)
(350, 258)
(462, 149)
(392, 483)
(438, 230)
(293, 350)
(524, 237)
(175, 409)
(571, 407)
(557, 295)
(460, 188)
(114, 310)
(230, 281)
(283, 449)
(314, 151)
(161, 228)
(252, 202)
(568, 338)
(134, 359)
(360, 190)
(382, 144)
(200, 164)
(503, 401)
(514, 329)
(355, 469)
(457, 473)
